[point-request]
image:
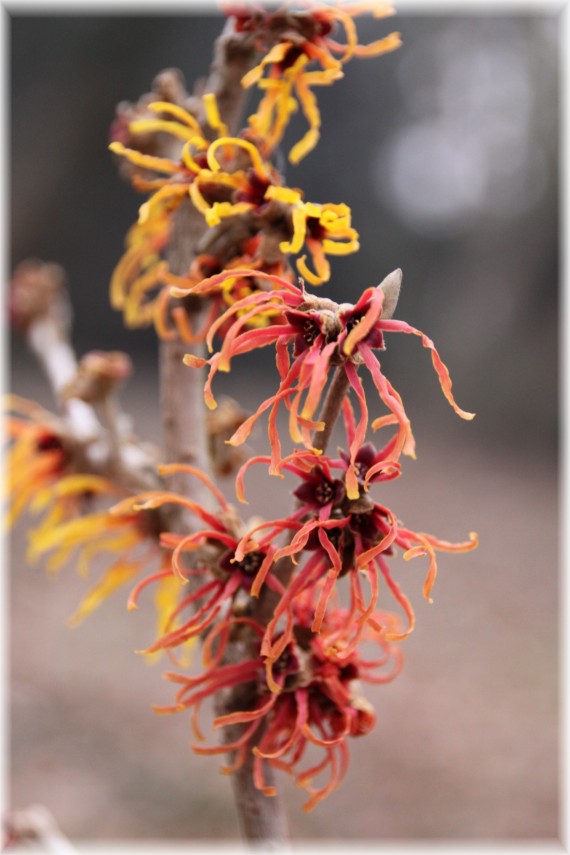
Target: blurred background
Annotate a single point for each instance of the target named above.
(447, 153)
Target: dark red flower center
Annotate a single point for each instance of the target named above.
(324, 492)
(49, 442)
(315, 229)
(310, 331)
(251, 563)
(255, 191)
(291, 58)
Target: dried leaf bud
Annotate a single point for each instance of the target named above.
(221, 424)
(170, 85)
(35, 290)
(98, 373)
(391, 287)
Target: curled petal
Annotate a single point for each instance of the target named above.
(401, 598)
(440, 368)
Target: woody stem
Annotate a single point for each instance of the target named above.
(329, 415)
(332, 407)
(185, 437)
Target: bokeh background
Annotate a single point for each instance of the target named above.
(447, 153)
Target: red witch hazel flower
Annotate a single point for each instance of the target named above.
(343, 537)
(318, 702)
(322, 334)
(223, 561)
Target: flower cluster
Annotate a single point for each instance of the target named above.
(238, 192)
(256, 221)
(282, 606)
(336, 532)
(318, 702)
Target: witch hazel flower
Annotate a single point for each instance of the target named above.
(138, 275)
(39, 453)
(319, 701)
(253, 188)
(300, 52)
(136, 286)
(221, 559)
(68, 531)
(232, 186)
(171, 318)
(338, 536)
(321, 335)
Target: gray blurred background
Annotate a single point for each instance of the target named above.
(447, 153)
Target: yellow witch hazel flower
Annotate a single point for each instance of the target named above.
(41, 480)
(226, 178)
(287, 72)
(324, 229)
(178, 175)
(138, 274)
(137, 286)
(64, 533)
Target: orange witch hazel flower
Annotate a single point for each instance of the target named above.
(38, 455)
(172, 320)
(318, 702)
(300, 52)
(322, 334)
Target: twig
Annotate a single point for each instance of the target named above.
(47, 338)
(41, 308)
(331, 408)
(262, 819)
(181, 390)
(184, 417)
(35, 825)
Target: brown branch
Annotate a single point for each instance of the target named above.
(42, 311)
(261, 818)
(181, 389)
(185, 436)
(331, 408)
